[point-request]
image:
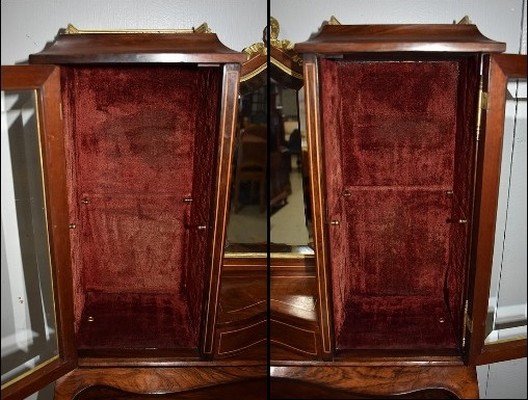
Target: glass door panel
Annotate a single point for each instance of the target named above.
(507, 316)
(496, 320)
(37, 344)
(29, 336)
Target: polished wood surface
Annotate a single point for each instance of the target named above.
(253, 389)
(226, 137)
(286, 67)
(295, 332)
(317, 201)
(253, 73)
(241, 326)
(383, 382)
(501, 68)
(336, 39)
(154, 380)
(45, 80)
(136, 48)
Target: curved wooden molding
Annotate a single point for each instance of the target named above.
(152, 380)
(141, 46)
(336, 39)
(382, 381)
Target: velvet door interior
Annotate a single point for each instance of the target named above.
(142, 153)
(399, 150)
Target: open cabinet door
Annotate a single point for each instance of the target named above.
(37, 318)
(496, 319)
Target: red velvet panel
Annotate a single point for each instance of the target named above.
(396, 322)
(390, 129)
(398, 241)
(135, 320)
(132, 242)
(141, 139)
(398, 122)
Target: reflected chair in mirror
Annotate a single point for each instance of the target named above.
(251, 165)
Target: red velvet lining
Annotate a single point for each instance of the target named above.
(135, 320)
(142, 141)
(397, 322)
(394, 145)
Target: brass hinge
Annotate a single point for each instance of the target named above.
(483, 100)
(468, 323)
(482, 105)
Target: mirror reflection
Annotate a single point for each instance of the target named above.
(282, 148)
(248, 219)
(290, 214)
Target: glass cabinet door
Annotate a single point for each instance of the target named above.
(497, 326)
(36, 345)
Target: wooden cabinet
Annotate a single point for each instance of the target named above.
(405, 126)
(136, 135)
(126, 161)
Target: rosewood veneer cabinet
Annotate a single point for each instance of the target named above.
(405, 126)
(136, 141)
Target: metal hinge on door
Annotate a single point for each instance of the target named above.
(482, 105)
(468, 323)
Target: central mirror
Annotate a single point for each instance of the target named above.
(285, 145)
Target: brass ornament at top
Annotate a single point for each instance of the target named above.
(72, 30)
(282, 44)
(464, 21)
(333, 21)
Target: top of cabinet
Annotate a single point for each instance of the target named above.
(338, 39)
(72, 46)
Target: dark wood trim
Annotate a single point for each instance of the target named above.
(502, 352)
(37, 380)
(227, 133)
(317, 186)
(46, 81)
(379, 381)
(286, 67)
(24, 77)
(136, 48)
(188, 354)
(253, 73)
(164, 362)
(377, 359)
(337, 39)
(501, 68)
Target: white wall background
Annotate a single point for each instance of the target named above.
(26, 26)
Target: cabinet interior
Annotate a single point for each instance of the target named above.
(400, 132)
(142, 151)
